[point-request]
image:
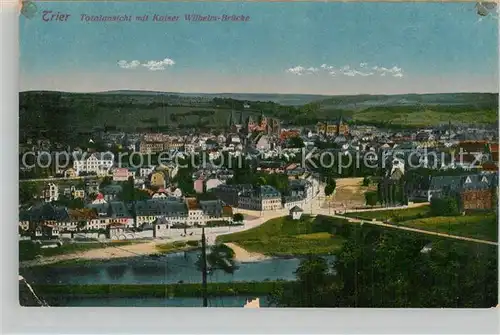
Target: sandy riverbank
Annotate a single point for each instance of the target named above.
(243, 256)
(122, 251)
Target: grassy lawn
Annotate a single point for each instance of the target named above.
(481, 226)
(394, 215)
(29, 250)
(286, 237)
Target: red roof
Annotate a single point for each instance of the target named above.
(472, 146)
(494, 147)
(490, 166)
(99, 196)
(494, 156)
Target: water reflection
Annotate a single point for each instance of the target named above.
(172, 268)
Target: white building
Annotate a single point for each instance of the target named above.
(99, 163)
(296, 212)
(51, 192)
(145, 171)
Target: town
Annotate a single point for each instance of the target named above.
(151, 183)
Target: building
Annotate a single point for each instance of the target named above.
(92, 186)
(98, 163)
(262, 124)
(145, 171)
(181, 212)
(121, 174)
(296, 213)
(198, 185)
(111, 192)
(51, 192)
(333, 129)
(229, 194)
(472, 191)
(99, 199)
(213, 183)
(70, 173)
(158, 179)
(260, 198)
(151, 147)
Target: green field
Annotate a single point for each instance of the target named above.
(286, 237)
(479, 225)
(396, 215)
(428, 116)
(476, 226)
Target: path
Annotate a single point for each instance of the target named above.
(416, 230)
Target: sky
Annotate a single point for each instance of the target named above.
(299, 48)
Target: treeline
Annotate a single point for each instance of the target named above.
(379, 268)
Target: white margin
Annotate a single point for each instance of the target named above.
(18, 320)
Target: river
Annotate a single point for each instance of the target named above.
(167, 269)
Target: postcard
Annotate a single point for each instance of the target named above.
(258, 154)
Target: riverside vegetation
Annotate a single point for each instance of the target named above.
(374, 267)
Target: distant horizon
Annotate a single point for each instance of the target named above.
(255, 93)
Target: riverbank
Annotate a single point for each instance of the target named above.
(243, 256)
(159, 291)
(109, 251)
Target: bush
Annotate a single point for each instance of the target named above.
(371, 198)
(447, 206)
(366, 181)
(193, 243)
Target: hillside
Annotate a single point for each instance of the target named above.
(61, 113)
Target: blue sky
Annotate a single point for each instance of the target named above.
(324, 48)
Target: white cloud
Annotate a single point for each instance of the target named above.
(347, 70)
(128, 65)
(152, 65)
(300, 70)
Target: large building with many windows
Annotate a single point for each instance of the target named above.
(98, 163)
(260, 198)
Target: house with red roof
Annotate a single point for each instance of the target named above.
(99, 199)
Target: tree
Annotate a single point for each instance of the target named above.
(105, 182)
(371, 198)
(315, 286)
(238, 217)
(446, 206)
(76, 203)
(27, 191)
(366, 181)
(220, 257)
(296, 142)
(330, 187)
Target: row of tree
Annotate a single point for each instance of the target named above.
(385, 269)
